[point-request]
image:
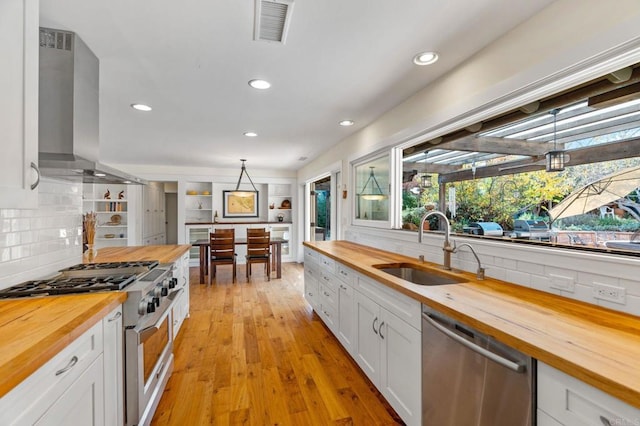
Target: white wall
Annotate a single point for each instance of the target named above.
(569, 42)
(37, 243)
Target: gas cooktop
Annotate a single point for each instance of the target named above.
(67, 285)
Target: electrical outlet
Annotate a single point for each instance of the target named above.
(562, 283)
(609, 292)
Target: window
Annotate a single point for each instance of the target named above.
(372, 195)
(494, 172)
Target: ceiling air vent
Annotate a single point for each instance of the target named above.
(272, 20)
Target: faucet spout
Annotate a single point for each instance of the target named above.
(480, 271)
(447, 248)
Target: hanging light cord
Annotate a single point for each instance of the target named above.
(372, 176)
(243, 171)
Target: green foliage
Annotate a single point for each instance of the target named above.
(590, 222)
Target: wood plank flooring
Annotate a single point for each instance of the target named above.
(256, 354)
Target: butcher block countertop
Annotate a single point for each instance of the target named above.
(596, 345)
(34, 330)
(168, 253)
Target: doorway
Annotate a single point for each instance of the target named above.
(320, 210)
(171, 209)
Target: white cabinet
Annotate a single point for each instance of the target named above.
(565, 400)
(153, 214)
(378, 326)
(388, 349)
(181, 308)
(19, 174)
(113, 368)
(82, 384)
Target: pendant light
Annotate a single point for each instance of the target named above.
(555, 158)
(238, 192)
(376, 192)
(425, 179)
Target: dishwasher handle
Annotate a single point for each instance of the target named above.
(515, 366)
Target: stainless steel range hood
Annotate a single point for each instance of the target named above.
(68, 112)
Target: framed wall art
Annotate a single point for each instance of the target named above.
(234, 205)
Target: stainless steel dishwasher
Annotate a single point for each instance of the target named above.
(470, 379)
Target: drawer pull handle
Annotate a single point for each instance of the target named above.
(380, 330)
(326, 278)
(69, 366)
(115, 317)
(326, 294)
(342, 287)
(605, 421)
(375, 330)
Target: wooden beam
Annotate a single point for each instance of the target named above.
(430, 168)
(593, 154)
(496, 145)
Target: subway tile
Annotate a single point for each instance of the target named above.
(521, 278)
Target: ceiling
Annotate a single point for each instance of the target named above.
(191, 61)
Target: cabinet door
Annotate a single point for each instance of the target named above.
(82, 403)
(346, 317)
(19, 103)
(113, 368)
(400, 367)
(368, 340)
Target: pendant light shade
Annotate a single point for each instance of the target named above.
(425, 181)
(555, 158)
(238, 192)
(375, 193)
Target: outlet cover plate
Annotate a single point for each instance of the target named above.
(609, 292)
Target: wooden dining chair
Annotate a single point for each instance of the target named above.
(222, 245)
(258, 250)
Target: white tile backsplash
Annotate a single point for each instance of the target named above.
(525, 265)
(35, 243)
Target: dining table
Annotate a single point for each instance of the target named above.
(276, 254)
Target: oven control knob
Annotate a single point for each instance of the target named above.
(157, 292)
(173, 283)
(151, 307)
(164, 291)
(156, 300)
(142, 307)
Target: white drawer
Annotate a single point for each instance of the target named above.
(31, 398)
(346, 274)
(406, 308)
(310, 255)
(328, 296)
(572, 402)
(327, 263)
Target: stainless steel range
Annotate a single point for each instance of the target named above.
(147, 321)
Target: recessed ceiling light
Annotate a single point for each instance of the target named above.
(259, 84)
(141, 107)
(347, 123)
(425, 58)
(250, 134)
(99, 174)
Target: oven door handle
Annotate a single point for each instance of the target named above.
(145, 332)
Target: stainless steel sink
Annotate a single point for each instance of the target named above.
(419, 275)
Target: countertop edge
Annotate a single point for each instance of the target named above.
(439, 298)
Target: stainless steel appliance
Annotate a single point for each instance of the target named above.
(531, 229)
(491, 229)
(470, 379)
(147, 319)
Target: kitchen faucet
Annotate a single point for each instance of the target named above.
(447, 248)
(480, 271)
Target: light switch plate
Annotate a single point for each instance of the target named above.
(563, 283)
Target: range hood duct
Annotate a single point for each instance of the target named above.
(69, 110)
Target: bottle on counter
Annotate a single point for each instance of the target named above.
(215, 217)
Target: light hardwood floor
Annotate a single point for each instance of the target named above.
(256, 354)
